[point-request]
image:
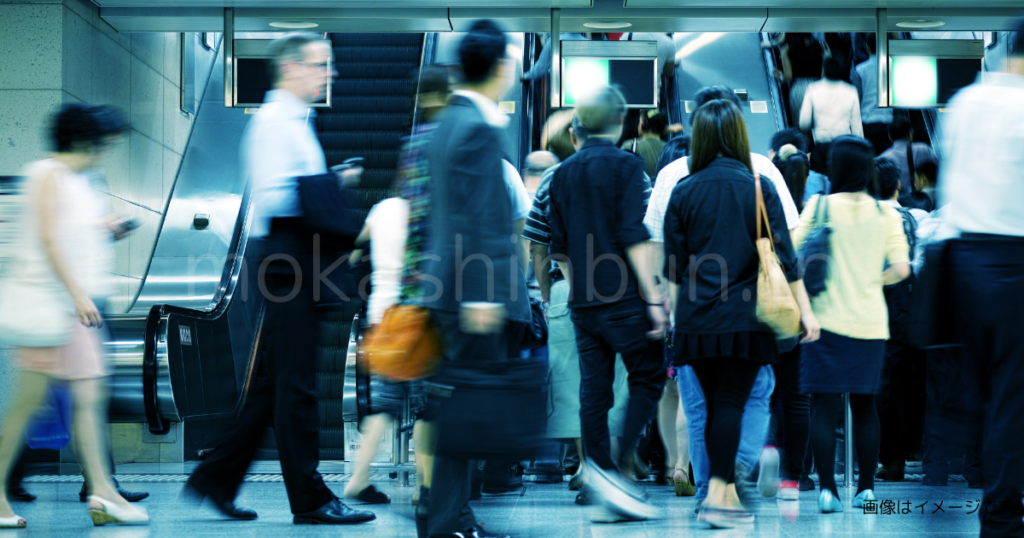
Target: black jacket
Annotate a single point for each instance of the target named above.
(710, 252)
(470, 241)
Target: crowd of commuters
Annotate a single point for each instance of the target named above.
(640, 258)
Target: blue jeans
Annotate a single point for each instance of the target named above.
(754, 431)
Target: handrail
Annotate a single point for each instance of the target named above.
(773, 84)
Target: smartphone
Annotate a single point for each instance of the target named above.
(130, 225)
(348, 163)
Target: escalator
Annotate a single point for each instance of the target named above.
(185, 352)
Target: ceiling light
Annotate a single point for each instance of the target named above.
(920, 23)
(292, 25)
(607, 25)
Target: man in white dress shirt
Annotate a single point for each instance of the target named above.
(280, 151)
(983, 183)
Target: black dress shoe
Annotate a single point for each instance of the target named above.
(333, 513)
(226, 508)
(130, 496)
(20, 494)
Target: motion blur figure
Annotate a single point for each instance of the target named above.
(471, 221)
(981, 180)
(58, 277)
(279, 151)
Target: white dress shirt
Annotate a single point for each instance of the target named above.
(982, 175)
(833, 108)
(867, 72)
(278, 147)
(680, 168)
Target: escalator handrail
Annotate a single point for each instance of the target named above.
(773, 84)
(149, 374)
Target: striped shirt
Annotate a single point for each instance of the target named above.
(537, 227)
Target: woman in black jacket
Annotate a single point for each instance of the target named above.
(710, 256)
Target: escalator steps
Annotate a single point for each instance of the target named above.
(364, 139)
(365, 103)
(342, 122)
(331, 413)
(331, 358)
(386, 40)
(377, 179)
(375, 70)
(330, 386)
(343, 55)
(371, 87)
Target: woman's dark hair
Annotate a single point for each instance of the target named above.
(918, 200)
(791, 135)
(851, 164)
(794, 170)
(78, 125)
(481, 50)
(710, 93)
(887, 180)
(676, 148)
(718, 129)
(835, 69)
(653, 121)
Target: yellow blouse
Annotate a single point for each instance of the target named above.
(865, 235)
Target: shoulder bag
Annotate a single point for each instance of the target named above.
(814, 251)
(776, 306)
(404, 347)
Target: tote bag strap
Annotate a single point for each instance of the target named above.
(762, 213)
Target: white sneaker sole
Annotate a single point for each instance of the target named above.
(789, 494)
(768, 477)
(618, 496)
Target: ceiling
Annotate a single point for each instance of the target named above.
(535, 15)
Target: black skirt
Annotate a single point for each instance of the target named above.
(759, 347)
(837, 364)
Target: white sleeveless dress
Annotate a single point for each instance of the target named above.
(35, 308)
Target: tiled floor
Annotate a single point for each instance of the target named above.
(539, 511)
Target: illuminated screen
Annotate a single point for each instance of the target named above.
(919, 81)
(634, 78)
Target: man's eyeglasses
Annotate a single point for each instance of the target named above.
(326, 66)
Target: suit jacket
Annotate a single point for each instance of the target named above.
(471, 243)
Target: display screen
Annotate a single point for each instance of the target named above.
(635, 78)
(252, 82)
(919, 81)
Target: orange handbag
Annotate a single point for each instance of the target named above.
(405, 346)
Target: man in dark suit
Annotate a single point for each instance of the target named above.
(291, 189)
(480, 289)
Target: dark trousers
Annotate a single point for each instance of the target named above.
(796, 415)
(901, 404)
(952, 428)
(285, 400)
(452, 484)
(601, 332)
(988, 304)
(878, 135)
(726, 383)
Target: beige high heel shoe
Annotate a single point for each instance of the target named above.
(109, 512)
(13, 522)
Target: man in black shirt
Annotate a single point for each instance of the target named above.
(598, 198)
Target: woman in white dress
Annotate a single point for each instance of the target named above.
(47, 308)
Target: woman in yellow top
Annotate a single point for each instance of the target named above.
(866, 238)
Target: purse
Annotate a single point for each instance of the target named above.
(490, 410)
(404, 347)
(776, 306)
(814, 252)
(50, 426)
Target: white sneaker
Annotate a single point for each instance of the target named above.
(789, 490)
(618, 495)
(768, 477)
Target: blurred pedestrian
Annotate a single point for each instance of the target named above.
(280, 152)
(981, 182)
(53, 298)
(831, 108)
